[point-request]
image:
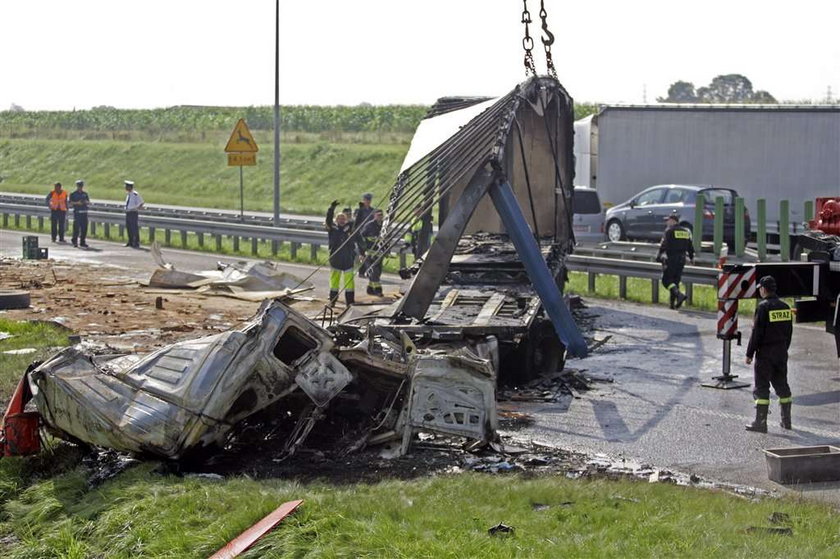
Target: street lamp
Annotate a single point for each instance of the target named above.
(277, 114)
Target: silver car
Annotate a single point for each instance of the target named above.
(588, 221)
(642, 216)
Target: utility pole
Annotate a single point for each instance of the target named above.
(277, 114)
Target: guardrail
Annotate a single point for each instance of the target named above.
(594, 265)
(240, 232)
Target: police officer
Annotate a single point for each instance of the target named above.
(373, 263)
(675, 244)
(364, 211)
(769, 343)
(79, 201)
(133, 204)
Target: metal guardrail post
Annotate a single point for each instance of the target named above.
(107, 229)
(183, 239)
(274, 247)
(17, 220)
(718, 230)
(235, 243)
(654, 291)
(121, 231)
(40, 223)
(5, 220)
(255, 246)
(689, 293)
(218, 239)
(151, 235)
(739, 226)
(92, 228)
(200, 237)
(167, 237)
(403, 260)
(761, 235)
(29, 222)
(313, 252)
(784, 229)
(590, 282)
(622, 287)
(293, 249)
(809, 210)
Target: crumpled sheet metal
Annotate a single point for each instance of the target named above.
(187, 395)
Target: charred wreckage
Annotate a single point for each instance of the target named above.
(485, 300)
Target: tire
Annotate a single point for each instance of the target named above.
(615, 231)
(11, 299)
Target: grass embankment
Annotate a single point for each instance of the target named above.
(197, 174)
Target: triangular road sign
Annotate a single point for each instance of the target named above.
(241, 139)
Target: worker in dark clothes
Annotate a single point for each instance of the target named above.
(342, 243)
(364, 211)
(769, 343)
(57, 202)
(675, 244)
(419, 232)
(79, 201)
(373, 262)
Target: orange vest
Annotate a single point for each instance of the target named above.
(58, 200)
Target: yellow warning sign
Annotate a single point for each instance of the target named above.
(241, 139)
(241, 159)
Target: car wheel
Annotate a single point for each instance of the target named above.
(615, 231)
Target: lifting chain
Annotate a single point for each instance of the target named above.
(547, 41)
(528, 42)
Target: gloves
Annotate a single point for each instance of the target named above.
(334, 203)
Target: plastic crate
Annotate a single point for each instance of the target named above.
(803, 464)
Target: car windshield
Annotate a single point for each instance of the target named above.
(586, 202)
(711, 194)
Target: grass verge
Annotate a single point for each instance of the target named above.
(41, 336)
(143, 514)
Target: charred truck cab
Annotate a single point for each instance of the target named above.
(497, 173)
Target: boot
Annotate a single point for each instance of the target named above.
(371, 290)
(350, 297)
(759, 425)
(785, 423)
(681, 297)
(378, 291)
(333, 297)
(673, 297)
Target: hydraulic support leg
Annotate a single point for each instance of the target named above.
(517, 227)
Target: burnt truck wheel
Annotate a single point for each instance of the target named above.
(542, 353)
(12, 299)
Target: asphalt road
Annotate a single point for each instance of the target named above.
(655, 412)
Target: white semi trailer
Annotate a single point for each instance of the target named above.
(775, 152)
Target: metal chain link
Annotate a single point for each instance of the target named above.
(547, 41)
(528, 42)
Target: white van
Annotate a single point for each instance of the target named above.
(588, 222)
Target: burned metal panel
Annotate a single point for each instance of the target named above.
(189, 394)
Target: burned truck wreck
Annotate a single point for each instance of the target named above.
(484, 301)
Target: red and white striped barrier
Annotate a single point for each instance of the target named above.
(737, 283)
(727, 319)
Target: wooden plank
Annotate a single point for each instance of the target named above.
(447, 302)
(250, 536)
(489, 310)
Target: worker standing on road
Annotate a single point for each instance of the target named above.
(133, 205)
(419, 232)
(57, 201)
(79, 201)
(372, 266)
(676, 243)
(769, 343)
(342, 243)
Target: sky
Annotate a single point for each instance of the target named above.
(77, 54)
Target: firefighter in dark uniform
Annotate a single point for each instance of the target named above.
(372, 266)
(342, 243)
(769, 343)
(675, 244)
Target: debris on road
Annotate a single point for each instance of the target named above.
(249, 537)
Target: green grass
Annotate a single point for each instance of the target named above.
(197, 175)
(143, 514)
(38, 335)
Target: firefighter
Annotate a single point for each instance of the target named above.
(372, 265)
(342, 244)
(675, 244)
(769, 343)
(419, 232)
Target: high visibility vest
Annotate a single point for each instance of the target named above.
(58, 200)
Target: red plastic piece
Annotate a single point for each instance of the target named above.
(827, 216)
(20, 429)
(247, 538)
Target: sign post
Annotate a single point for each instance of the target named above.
(241, 150)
